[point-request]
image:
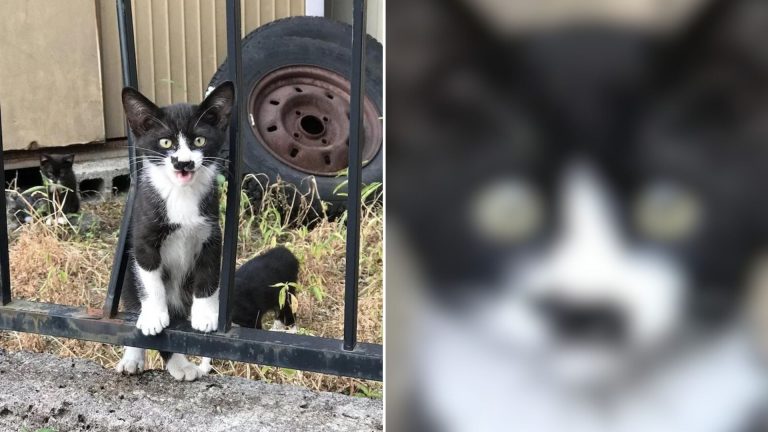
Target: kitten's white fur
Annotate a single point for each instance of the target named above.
(205, 313)
(132, 361)
(182, 369)
(154, 315)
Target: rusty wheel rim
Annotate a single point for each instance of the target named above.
(300, 114)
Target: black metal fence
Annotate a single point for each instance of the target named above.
(347, 357)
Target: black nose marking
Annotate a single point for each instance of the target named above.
(584, 321)
(183, 166)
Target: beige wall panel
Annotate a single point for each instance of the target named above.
(207, 57)
(111, 72)
(145, 53)
(50, 73)
(194, 50)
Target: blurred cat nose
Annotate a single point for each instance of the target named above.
(584, 321)
(183, 165)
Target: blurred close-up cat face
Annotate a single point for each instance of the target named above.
(599, 188)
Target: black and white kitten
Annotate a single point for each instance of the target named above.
(176, 238)
(62, 183)
(60, 194)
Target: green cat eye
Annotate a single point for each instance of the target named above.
(165, 143)
(199, 141)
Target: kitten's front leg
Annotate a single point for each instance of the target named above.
(154, 316)
(204, 315)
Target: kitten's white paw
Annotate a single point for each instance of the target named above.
(153, 319)
(182, 369)
(278, 325)
(281, 327)
(204, 315)
(205, 365)
(132, 361)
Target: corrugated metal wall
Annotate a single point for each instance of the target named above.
(342, 10)
(179, 46)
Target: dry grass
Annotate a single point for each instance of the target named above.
(61, 265)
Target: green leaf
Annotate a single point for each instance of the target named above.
(281, 298)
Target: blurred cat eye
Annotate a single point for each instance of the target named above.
(199, 141)
(506, 211)
(165, 143)
(666, 212)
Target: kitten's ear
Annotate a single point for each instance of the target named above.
(45, 159)
(68, 160)
(141, 113)
(216, 109)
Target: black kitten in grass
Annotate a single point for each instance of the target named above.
(176, 238)
(256, 294)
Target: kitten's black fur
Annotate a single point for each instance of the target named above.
(62, 182)
(254, 291)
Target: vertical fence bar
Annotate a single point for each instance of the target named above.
(130, 79)
(5, 267)
(356, 137)
(231, 219)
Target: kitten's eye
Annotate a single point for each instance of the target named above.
(507, 211)
(199, 141)
(667, 212)
(165, 143)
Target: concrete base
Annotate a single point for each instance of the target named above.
(43, 391)
(98, 178)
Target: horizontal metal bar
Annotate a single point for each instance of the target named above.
(292, 351)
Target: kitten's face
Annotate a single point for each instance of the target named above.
(181, 140)
(622, 222)
(56, 167)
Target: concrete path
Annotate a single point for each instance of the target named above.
(43, 391)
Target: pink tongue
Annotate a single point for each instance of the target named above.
(184, 176)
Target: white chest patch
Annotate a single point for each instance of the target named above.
(181, 248)
(182, 202)
(715, 388)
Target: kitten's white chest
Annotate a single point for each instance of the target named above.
(182, 246)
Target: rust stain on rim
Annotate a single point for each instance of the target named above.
(300, 114)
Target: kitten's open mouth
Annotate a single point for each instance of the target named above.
(184, 176)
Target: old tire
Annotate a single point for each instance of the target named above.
(296, 93)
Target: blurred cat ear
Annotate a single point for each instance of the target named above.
(68, 159)
(45, 159)
(723, 33)
(141, 113)
(216, 109)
